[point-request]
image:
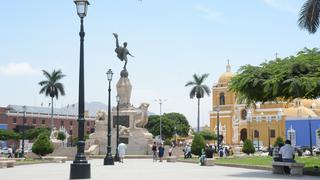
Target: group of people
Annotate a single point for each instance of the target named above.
(158, 152)
(207, 152)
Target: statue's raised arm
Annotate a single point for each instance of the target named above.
(122, 52)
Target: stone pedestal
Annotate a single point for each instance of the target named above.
(131, 124)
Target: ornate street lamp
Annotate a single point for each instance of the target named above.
(269, 133)
(80, 168)
(218, 128)
(108, 160)
(310, 135)
(23, 128)
(116, 156)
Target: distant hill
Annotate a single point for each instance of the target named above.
(92, 107)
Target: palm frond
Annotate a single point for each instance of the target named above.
(309, 16)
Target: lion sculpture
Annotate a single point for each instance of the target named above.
(124, 130)
(142, 117)
(101, 115)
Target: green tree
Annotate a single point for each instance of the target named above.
(61, 136)
(180, 122)
(42, 146)
(32, 134)
(309, 16)
(198, 90)
(153, 126)
(248, 147)
(278, 141)
(8, 135)
(208, 135)
(198, 143)
(269, 82)
(52, 87)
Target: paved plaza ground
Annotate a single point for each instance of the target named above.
(139, 169)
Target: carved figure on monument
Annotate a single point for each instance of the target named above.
(124, 130)
(142, 117)
(122, 52)
(101, 116)
(54, 133)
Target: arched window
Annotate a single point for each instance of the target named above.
(291, 135)
(318, 136)
(222, 99)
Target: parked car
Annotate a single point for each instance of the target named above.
(4, 150)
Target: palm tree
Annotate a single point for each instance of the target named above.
(198, 90)
(309, 15)
(52, 87)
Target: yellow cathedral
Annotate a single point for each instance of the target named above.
(262, 124)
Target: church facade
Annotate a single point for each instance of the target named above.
(262, 124)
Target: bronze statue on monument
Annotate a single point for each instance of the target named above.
(122, 53)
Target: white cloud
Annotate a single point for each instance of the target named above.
(208, 13)
(284, 5)
(18, 69)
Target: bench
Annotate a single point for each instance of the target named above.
(7, 163)
(172, 159)
(208, 162)
(57, 159)
(295, 168)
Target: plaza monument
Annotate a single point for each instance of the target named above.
(131, 119)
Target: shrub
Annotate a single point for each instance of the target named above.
(198, 143)
(42, 146)
(167, 142)
(248, 147)
(208, 135)
(61, 136)
(278, 141)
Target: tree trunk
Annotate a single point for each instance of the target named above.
(198, 123)
(51, 114)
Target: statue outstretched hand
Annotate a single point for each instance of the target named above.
(115, 35)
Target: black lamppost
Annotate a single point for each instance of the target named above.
(108, 160)
(218, 128)
(23, 128)
(80, 168)
(310, 135)
(116, 156)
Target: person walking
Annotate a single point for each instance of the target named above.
(10, 152)
(122, 151)
(161, 152)
(154, 152)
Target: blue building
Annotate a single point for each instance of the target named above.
(298, 131)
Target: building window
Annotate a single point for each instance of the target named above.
(70, 132)
(243, 114)
(88, 123)
(272, 133)
(34, 121)
(256, 133)
(14, 121)
(70, 123)
(61, 123)
(24, 121)
(43, 121)
(222, 99)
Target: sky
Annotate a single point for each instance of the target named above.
(170, 39)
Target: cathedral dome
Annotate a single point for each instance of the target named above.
(300, 111)
(227, 76)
